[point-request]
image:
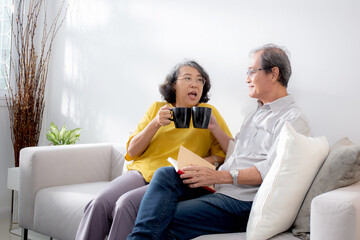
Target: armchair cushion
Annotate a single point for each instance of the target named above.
(58, 210)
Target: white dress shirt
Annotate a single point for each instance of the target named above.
(256, 143)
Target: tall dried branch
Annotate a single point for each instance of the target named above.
(30, 59)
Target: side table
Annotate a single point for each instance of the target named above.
(13, 185)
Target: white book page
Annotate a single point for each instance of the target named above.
(174, 163)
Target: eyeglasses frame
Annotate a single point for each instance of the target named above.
(250, 72)
(183, 78)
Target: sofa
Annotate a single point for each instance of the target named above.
(56, 182)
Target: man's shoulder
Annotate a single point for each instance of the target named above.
(296, 116)
(292, 111)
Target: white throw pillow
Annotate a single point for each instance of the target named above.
(283, 190)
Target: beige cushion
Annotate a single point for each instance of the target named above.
(280, 196)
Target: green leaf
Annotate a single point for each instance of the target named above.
(52, 138)
(48, 137)
(74, 132)
(66, 135)
(56, 142)
(70, 135)
(55, 130)
(73, 139)
(62, 132)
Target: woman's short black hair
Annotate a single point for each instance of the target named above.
(167, 89)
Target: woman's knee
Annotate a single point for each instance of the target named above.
(100, 203)
(130, 201)
(126, 205)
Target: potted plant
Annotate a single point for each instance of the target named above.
(62, 137)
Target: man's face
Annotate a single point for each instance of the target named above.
(258, 80)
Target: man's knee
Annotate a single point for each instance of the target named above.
(164, 173)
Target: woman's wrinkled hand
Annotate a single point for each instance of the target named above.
(163, 116)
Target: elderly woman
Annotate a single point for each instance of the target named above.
(113, 211)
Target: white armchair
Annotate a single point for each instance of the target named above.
(57, 182)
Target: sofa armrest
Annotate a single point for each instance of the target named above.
(336, 214)
(49, 166)
(117, 160)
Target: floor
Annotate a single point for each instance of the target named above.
(15, 235)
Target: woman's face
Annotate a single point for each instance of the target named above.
(188, 87)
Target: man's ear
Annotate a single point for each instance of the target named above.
(275, 71)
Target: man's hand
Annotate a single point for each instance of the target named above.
(197, 176)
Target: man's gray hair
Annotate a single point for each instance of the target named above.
(275, 56)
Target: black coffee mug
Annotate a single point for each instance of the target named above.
(181, 116)
(201, 116)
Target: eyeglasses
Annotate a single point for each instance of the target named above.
(251, 72)
(188, 80)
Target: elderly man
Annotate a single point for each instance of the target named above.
(176, 207)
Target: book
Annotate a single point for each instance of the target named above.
(186, 158)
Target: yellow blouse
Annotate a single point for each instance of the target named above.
(167, 140)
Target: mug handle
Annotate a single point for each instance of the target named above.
(172, 115)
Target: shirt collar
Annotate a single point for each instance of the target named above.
(277, 105)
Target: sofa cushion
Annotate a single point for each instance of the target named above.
(242, 236)
(280, 195)
(341, 168)
(58, 210)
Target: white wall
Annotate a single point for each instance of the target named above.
(6, 158)
(111, 56)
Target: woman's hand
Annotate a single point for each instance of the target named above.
(141, 141)
(163, 116)
(198, 176)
